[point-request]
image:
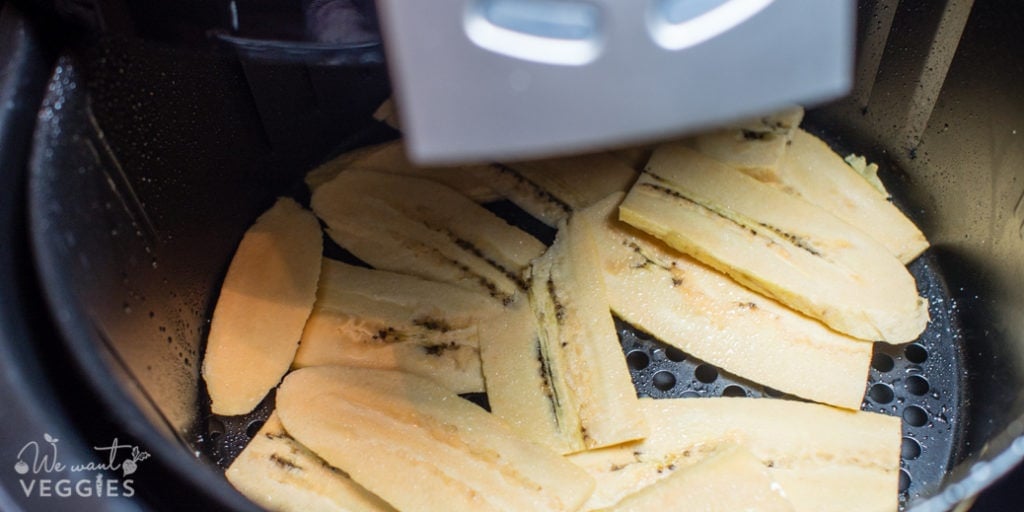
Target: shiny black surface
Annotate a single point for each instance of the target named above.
(190, 151)
(149, 162)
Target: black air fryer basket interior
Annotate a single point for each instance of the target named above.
(151, 159)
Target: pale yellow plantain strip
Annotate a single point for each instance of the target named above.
(755, 146)
(776, 244)
(378, 319)
(472, 181)
(571, 305)
(279, 474)
(730, 480)
(809, 169)
(264, 302)
(389, 240)
(422, 228)
(838, 488)
(813, 171)
(551, 189)
(529, 196)
(582, 391)
(810, 450)
(706, 314)
(581, 180)
(387, 113)
(517, 378)
(420, 447)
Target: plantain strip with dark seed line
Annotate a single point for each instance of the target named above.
(566, 386)
(822, 458)
(776, 244)
(684, 303)
(276, 471)
(379, 319)
(418, 227)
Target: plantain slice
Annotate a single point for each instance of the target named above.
(264, 302)
(279, 474)
(420, 447)
(776, 244)
(803, 165)
(517, 376)
(684, 303)
(473, 181)
(418, 227)
(817, 174)
(811, 450)
(551, 189)
(729, 480)
(378, 319)
(387, 113)
(568, 387)
(754, 146)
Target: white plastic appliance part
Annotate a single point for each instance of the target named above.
(489, 79)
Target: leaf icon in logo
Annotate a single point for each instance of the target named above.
(49, 438)
(128, 467)
(21, 467)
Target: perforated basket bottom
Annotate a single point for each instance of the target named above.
(920, 382)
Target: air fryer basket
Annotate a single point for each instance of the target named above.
(150, 162)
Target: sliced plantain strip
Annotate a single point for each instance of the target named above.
(264, 302)
(378, 319)
(810, 449)
(817, 174)
(279, 474)
(473, 181)
(517, 376)
(551, 189)
(387, 113)
(430, 449)
(755, 146)
(691, 306)
(776, 244)
(729, 480)
(803, 165)
(573, 390)
(418, 227)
